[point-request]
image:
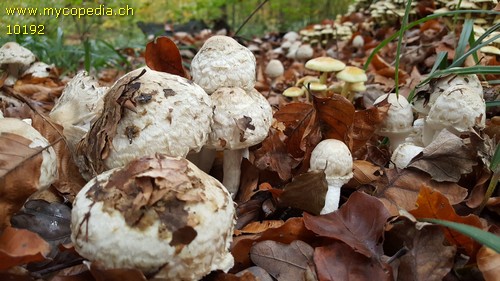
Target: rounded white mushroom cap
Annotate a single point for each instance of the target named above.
(291, 36)
(223, 62)
(80, 102)
(304, 52)
(172, 116)
(15, 58)
(48, 167)
(39, 69)
(160, 215)
(399, 116)
(274, 69)
(422, 106)
(457, 109)
(404, 153)
(334, 158)
(241, 118)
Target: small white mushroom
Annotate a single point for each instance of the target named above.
(335, 159)
(241, 119)
(404, 153)
(39, 69)
(223, 62)
(398, 123)
(15, 59)
(79, 104)
(304, 52)
(146, 112)
(457, 109)
(160, 215)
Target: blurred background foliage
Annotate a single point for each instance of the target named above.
(93, 41)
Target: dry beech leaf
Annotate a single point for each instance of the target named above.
(364, 173)
(119, 274)
(488, 261)
(273, 156)
(163, 55)
(221, 276)
(20, 246)
(399, 189)
(292, 230)
(305, 192)
(336, 115)
(258, 227)
(446, 158)
(365, 124)
(427, 257)
(338, 261)
(283, 261)
(433, 204)
(301, 127)
(359, 223)
(15, 153)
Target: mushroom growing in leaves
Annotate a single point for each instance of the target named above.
(223, 62)
(334, 158)
(161, 215)
(352, 76)
(241, 119)
(146, 112)
(15, 59)
(324, 65)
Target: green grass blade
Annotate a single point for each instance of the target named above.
(404, 23)
(87, 57)
(472, 50)
(493, 103)
(485, 238)
(441, 62)
(467, 31)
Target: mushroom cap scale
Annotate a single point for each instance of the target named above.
(159, 214)
(241, 118)
(223, 62)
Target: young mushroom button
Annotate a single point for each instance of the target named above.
(160, 215)
(223, 62)
(334, 158)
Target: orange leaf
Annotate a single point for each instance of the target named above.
(433, 204)
(20, 246)
(163, 55)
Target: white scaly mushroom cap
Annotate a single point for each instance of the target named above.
(223, 62)
(241, 118)
(48, 169)
(16, 59)
(158, 214)
(334, 158)
(398, 123)
(456, 109)
(173, 117)
(80, 102)
(444, 83)
(404, 153)
(39, 69)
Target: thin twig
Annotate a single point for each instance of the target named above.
(250, 16)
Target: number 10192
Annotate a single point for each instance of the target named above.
(25, 29)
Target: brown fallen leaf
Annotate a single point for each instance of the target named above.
(292, 230)
(446, 158)
(359, 223)
(305, 192)
(163, 55)
(283, 262)
(364, 173)
(260, 226)
(427, 257)
(120, 274)
(488, 261)
(20, 246)
(338, 261)
(364, 125)
(273, 156)
(399, 189)
(336, 115)
(433, 204)
(221, 276)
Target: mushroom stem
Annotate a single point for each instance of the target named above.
(231, 168)
(346, 90)
(322, 77)
(395, 139)
(332, 197)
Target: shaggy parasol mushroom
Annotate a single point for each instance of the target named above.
(457, 109)
(398, 123)
(146, 112)
(334, 158)
(79, 104)
(161, 215)
(15, 59)
(241, 119)
(324, 65)
(38, 170)
(223, 62)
